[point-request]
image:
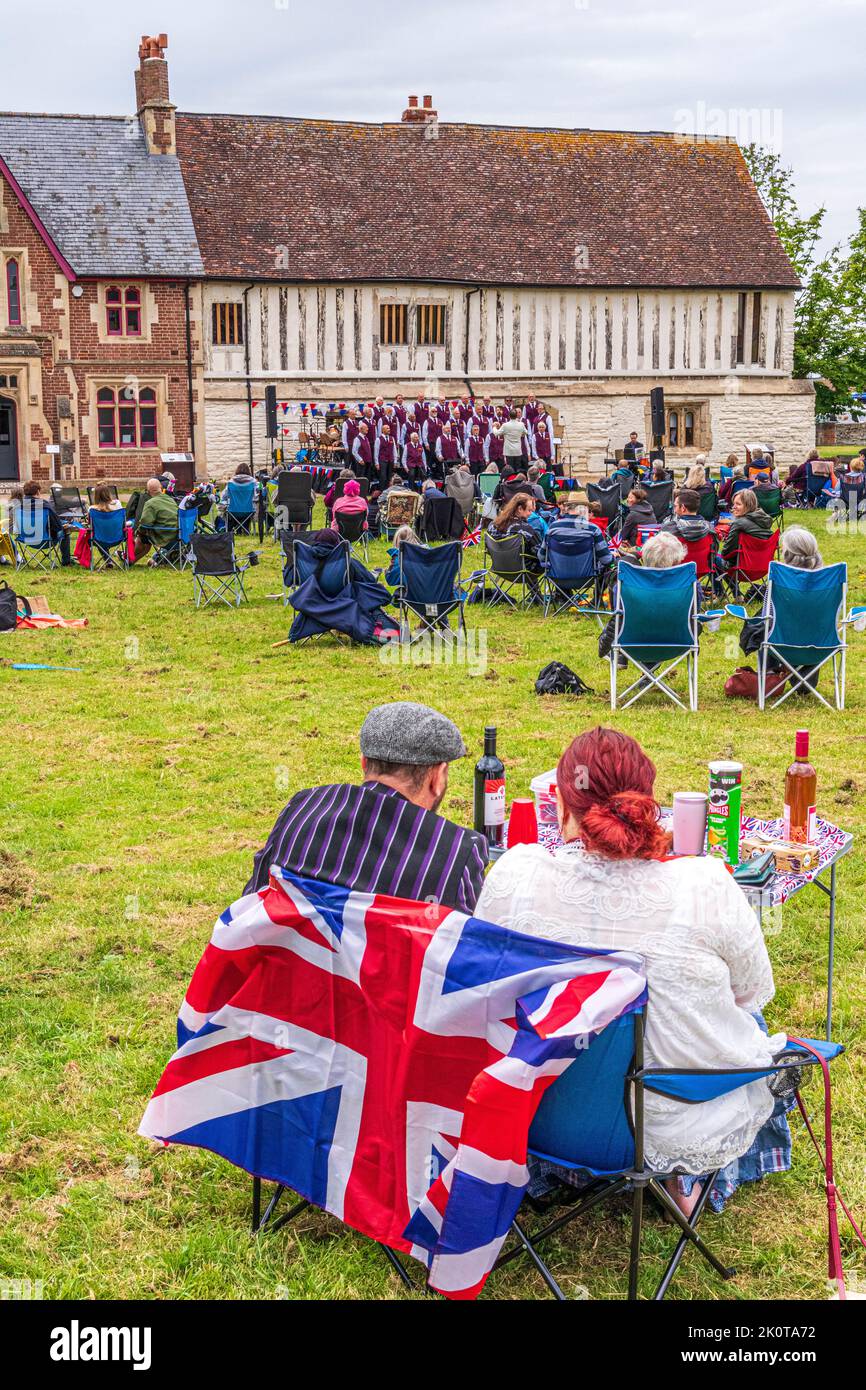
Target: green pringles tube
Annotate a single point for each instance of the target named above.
(724, 811)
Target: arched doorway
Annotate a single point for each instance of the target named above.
(8, 440)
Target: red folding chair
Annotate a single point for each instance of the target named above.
(751, 566)
(701, 552)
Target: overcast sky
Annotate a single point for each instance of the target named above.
(788, 74)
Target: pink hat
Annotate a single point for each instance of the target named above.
(352, 488)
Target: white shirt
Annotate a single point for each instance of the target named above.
(707, 969)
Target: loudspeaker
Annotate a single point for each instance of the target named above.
(271, 411)
(657, 407)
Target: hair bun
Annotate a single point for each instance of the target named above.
(624, 826)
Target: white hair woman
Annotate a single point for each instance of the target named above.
(800, 549)
(662, 551)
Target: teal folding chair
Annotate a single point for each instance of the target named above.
(656, 618)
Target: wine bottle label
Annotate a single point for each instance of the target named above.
(797, 835)
(812, 824)
(786, 822)
(494, 801)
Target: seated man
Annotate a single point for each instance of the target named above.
(32, 504)
(157, 524)
(573, 516)
(384, 836)
(685, 522)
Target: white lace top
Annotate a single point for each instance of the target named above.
(707, 969)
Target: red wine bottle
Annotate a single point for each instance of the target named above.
(490, 791)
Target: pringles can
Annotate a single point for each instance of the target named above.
(724, 811)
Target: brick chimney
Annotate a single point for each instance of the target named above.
(417, 115)
(154, 108)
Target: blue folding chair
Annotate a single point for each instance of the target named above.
(187, 520)
(804, 612)
(31, 537)
(240, 501)
(815, 485)
(586, 1125)
(571, 575)
(108, 539)
(656, 619)
(331, 571)
(429, 590)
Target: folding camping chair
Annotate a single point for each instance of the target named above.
(332, 572)
(586, 1124)
(701, 553)
(401, 509)
(742, 485)
(505, 565)
(352, 526)
(31, 537)
(608, 498)
(572, 578)
(429, 590)
(287, 540)
(441, 519)
(770, 501)
(488, 483)
(294, 501)
(850, 505)
(68, 504)
(216, 574)
(803, 613)
(108, 539)
(240, 502)
(661, 498)
(656, 625)
(815, 485)
(708, 505)
(751, 565)
(547, 483)
(187, 520)
(111, 488)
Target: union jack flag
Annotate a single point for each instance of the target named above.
(384, 1059)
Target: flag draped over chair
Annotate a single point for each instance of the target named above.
(384, 1059)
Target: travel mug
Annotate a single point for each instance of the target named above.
(690, 822)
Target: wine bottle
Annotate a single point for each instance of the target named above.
(489, 807)
(801, 783)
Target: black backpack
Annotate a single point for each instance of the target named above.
(9, 606)
(558, 679)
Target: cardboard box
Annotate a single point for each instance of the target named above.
(790, 858)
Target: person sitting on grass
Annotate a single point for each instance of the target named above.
(612, 884)
(157, 523)
(640, 513)
(384, 835)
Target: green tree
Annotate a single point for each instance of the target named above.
(830, 309)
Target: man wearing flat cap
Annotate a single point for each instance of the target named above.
(384, 836)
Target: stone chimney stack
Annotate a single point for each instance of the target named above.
(154, 108)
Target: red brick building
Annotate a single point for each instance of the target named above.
(100, 330)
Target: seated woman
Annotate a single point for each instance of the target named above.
(749, 520)
(513, 520)
(350, 504)
(404, 535)
(726, 491)
(104, 500)
(640, 513)
(662, 551)
(610, 885)
(697, 481)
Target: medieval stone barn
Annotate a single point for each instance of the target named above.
(346, 260)
(158, 271)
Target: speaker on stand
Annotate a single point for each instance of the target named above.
(659, 423)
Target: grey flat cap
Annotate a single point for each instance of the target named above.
(405, 732)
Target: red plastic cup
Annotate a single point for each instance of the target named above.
(522, 823)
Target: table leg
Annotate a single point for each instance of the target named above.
(831, 949)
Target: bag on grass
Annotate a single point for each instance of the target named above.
(558, 679)
(11, 604)
(743, 684)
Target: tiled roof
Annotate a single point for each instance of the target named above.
(111, 208)
(473, 204)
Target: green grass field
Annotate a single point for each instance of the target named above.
(135, 793)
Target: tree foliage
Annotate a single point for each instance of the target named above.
(830, 312)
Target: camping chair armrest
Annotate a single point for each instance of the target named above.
(694, 1085)
(857, 614)
(736, 610)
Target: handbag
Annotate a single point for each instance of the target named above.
(743, 684)
(10, 605)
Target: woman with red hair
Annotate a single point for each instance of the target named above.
(611, 884)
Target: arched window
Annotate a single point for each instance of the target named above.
(147, 433)
(13, 292)
(114, 311)
(673, 429)
(106, 407)
(132, 302)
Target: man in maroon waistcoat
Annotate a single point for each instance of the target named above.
(414, 465)
(362, 452)
(476, 453)
(448, 448)
(430, 432)
(385, 452)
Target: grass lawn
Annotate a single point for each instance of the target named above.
(838, 451)
(134, 795)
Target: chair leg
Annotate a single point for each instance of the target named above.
(680, 1249)
(636, 1233)
(670, 1206)
(538, 1262)
(396, 1265)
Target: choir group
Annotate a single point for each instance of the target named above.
(428, 437)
